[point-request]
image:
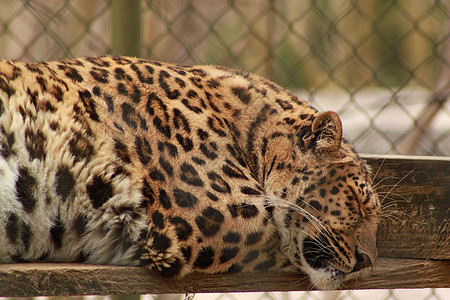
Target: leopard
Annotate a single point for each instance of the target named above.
(117, 160)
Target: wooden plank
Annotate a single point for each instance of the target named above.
(416, 213)
(79, 279)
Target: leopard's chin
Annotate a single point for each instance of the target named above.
(326, 278)
(330, 278)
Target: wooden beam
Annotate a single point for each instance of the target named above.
(413, 245)
(416, 206)
(28, 280)
(126, 27)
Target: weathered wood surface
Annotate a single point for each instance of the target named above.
(416, 206)
(79, 279)
(413, 245)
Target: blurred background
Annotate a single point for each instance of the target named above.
(384, 66)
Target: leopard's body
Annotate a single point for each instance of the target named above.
(117, 160)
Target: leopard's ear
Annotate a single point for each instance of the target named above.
(327, 128)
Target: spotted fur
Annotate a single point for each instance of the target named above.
(124, 161)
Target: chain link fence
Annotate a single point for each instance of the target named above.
(384, 66)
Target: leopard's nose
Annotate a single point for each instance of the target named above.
(362, 261)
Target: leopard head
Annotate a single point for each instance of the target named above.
(325, 208)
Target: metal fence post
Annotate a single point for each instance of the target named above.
(126, 27)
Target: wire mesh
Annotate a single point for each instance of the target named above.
(40, 30)
(381, 64)
(400, 294)
(384, 66)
